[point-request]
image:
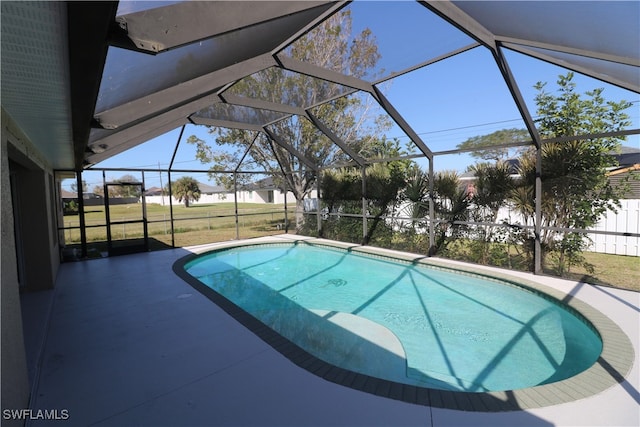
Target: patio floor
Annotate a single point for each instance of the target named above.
(124, 341)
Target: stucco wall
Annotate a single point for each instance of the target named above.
(15, 383)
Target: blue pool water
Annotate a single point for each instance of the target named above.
(402, 322)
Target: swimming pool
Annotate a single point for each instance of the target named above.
(403, 322)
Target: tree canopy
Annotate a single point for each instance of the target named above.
(576, 190)
(488, 147)
(331, 46)
(126, 190)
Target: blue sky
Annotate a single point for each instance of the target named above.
(445, 103)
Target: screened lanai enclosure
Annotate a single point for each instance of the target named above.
(498, 132)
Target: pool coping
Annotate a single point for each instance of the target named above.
(611, 368)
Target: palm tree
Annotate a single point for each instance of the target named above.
(451, 205)
(186, 189)
(493, 186)
(416, 193)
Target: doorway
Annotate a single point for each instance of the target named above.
(126, 218)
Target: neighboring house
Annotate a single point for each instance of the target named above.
(153, 191)
(90, 199)
(262, 191)
(64, 194)
(70, 195)
(266, 191)
(208, 194)
(214, 194)
(628, 156)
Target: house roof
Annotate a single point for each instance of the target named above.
(263, 184)
(67, 194)
(153, 191)
(88, 80)
(211, 189)
(628, 156)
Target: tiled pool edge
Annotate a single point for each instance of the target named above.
(613, 365)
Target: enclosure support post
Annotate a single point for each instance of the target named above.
(161, 186)
(364, 205)
(107, 214)
(535, 136)
(235, 203)
(173, 157)
(83, 230)
(432, 230)
(537, 250)
(173, 240)
(145, 220)
(286, 216)
(318, 218)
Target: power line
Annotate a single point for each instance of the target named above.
(470, 126)
(484, 124)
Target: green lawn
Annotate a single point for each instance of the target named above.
(193, 225)
(96, 214)
(201, 224)
(617, 271)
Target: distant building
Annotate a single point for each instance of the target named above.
(262, 191)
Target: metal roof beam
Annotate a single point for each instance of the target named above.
(507, 75)
(88, 26)
(159, 29)
(461, 20)
(291, 149)
(632, 86)
(224, 123)
(181, 93)
(592, 136)
(574, 51)
(261, 104)
(128, 138)
(428, 62)
(335, 139)
(406, 128)
(312, 70)
(246, 152)
(492, 147)
(181, 112)
(335, 7)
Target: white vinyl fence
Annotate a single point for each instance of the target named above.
(626, 220)
(258, 196)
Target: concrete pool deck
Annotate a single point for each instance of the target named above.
(124, 341)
